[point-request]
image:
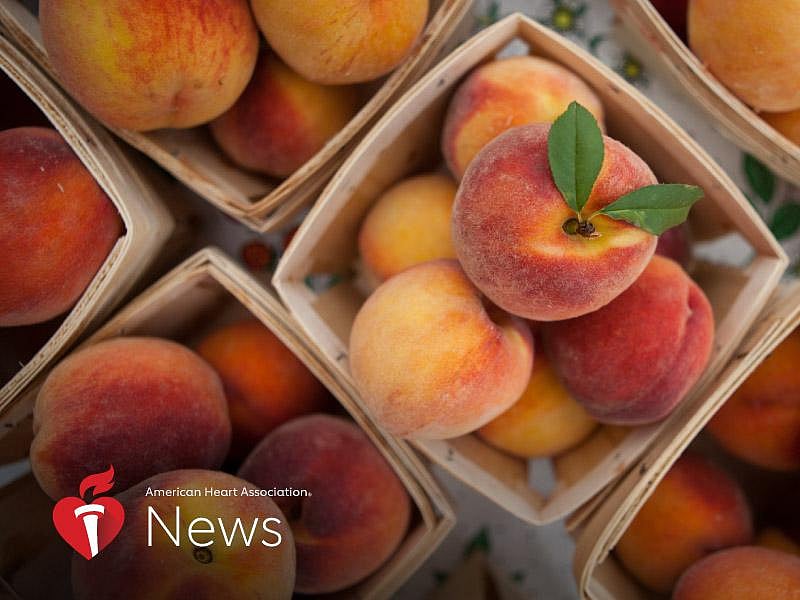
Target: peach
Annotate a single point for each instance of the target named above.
(786, 123)
(408, 224)
(148, 64)
(751, 50)
(430, 360)
(760, 422)
(776, 539)
(510, 229)
(545, 421)
(282, 120)
(144, 405)
(204, 564)
(676, 243)
(633, 361)
(357, 511)
(57, 226)
(695, 510)
(265, 383)
(505, 93)
(744, 573)
(341, 41)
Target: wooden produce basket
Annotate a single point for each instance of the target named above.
(600, 576)
(30, 349)
(205, 291)
(737, 121)
(256, 200)
(405, 142)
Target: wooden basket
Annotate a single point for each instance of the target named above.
(257, 201)
(147, 223)
(599, 575)
(208, 289)
(403, 143)
(737, 121)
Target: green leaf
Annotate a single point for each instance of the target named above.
(786, 220)
(480, 542)
(760, 178)
(575, 151)
(655, 208)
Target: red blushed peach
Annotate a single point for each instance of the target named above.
(341, 41)
(148, 64)
(409, 224)
(509, 229)
(545, 421)
(144, 405)
(760, 422)
(357, 512)
(696, 509)
(506, 93)
(282, 120)
(431, 360)
(57, 226)
(633, 361)
(203, 566)
(265, 384)
(751, 48)
(745, 573)
(676, 243)
(787, 124)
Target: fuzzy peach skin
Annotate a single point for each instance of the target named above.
(751, 47)
(144, 405)
(148, 64)
(282, 120)
(545, 421)
(744, 573)
(787, 124)
(505, 93)
(129, 569)
(265, 383)
(431, 360)
(358, 511)
(57, 226)
(633, 361)
(508, 229)
(408, 224)
(695, 509)
(341, 41)
(760, 422)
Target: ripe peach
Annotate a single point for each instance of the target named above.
(786, 123)
(147, 64)
(431, 360)
(357, 511)
(144, 405)
(265, 383)
(776, 539)
(409, 224)
(341, 41)
(696, 509)
(750, 48)
(760, 422)
(509, 229)
(633, 361)
(505, 93)
(204, 564)
(545, 421)
(745, 573)
(57, 226)
(282, 120)
(676, 243)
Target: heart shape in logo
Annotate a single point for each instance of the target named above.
(71, 516)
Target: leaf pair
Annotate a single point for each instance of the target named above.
(575, 150)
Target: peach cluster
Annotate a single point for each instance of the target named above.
(164, 417)
(146, 65)
(754, 53)
(439, 349)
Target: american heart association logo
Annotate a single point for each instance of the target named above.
(90, 527)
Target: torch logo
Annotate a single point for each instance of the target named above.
(90, 527)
